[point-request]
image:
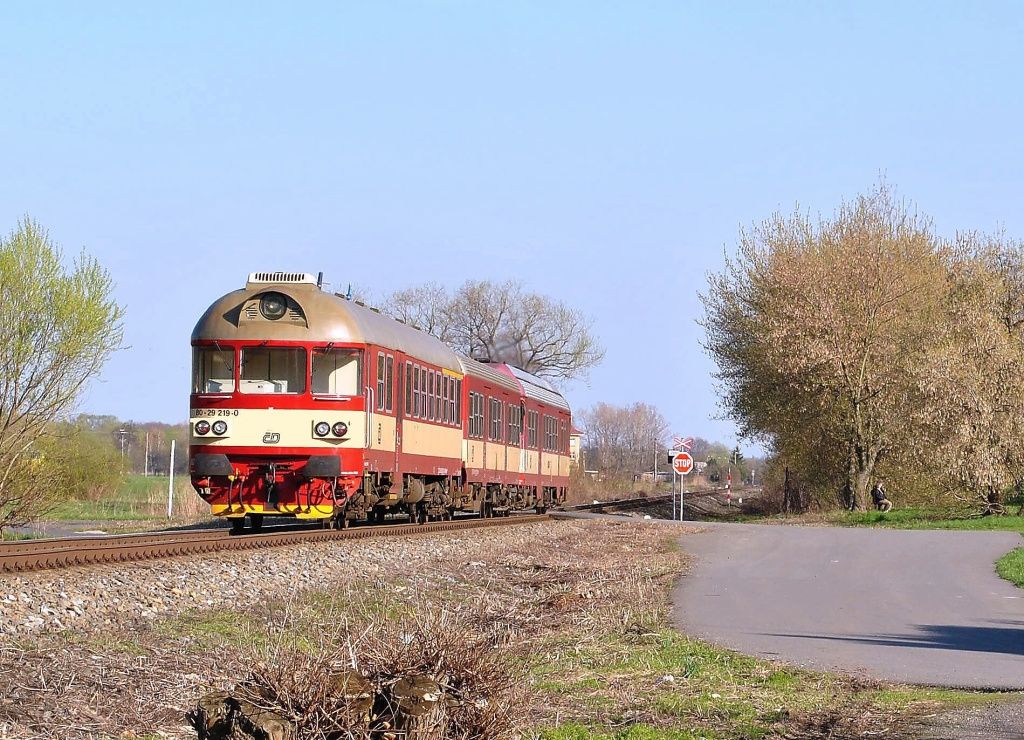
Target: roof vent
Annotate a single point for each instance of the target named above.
(280, 278)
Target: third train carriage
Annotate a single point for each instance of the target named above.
(307, 404)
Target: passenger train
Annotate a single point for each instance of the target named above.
(307, 404)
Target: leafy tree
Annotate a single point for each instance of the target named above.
(60, 325)
(973, 381)
(503, 322)
(81, 459)
(820, 328)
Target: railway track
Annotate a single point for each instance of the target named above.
(637, 502)
(31, 555)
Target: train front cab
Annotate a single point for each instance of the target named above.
(277, 428)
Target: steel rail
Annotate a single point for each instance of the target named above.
(31, 555)
(640, 501)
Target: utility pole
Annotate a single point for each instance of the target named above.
(121, 434)
(655, 466)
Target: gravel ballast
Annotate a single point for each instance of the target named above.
(104, 597)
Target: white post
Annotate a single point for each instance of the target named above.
(170, 484)
(145, 465)
(681, 479)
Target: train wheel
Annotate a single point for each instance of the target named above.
(256, 522)
(237, 525)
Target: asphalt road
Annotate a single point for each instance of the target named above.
(920, 607)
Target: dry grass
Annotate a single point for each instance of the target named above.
(558, 631)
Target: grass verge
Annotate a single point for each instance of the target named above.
(138, 498)
(1011, 567)
(926, 519)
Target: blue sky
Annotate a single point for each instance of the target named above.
(606, 153)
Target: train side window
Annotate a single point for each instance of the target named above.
(435, 389)
(479, 415)
(458, 402)
(515, 424)
(408, 388)
(416, 391)
(213, 370)
(496, 420)
(424, 398)
(452, 417)
(389, 383)
(430, 395)
(474, 428)
(380, 381)
(444, 398)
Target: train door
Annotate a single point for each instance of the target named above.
(402, 401)
(522, 443)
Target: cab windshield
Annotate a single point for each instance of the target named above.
(273, 370)
(213, 370)
(337, 372)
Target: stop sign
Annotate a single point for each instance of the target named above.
(682, 463)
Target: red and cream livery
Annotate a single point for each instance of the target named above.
(310, 405)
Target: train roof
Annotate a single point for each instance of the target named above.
(488, 372)
(516, 380)
(537, 388)
(314, 315)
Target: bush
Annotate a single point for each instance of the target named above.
(431, 677)
(83, 462)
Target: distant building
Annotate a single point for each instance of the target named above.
(576, 448)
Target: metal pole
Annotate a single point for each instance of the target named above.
(145, 465)
(680, 498)
(170, 484)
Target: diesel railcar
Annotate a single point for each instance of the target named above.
(307, 404)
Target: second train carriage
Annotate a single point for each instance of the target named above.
(310, 405)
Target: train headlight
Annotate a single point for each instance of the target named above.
(340, 429)
(220, 427)
(202, 427)
(322, 429)
(273, 306)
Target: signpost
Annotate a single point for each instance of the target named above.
(682, 464)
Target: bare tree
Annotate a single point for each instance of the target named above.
(623, 440)
(427, 307)
(502, 322)
(820, 328)
(57, 331)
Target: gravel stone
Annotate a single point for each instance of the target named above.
(94, 598)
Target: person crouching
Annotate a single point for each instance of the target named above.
(880, 497)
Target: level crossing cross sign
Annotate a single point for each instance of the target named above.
(682, 463)
(682, 443)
